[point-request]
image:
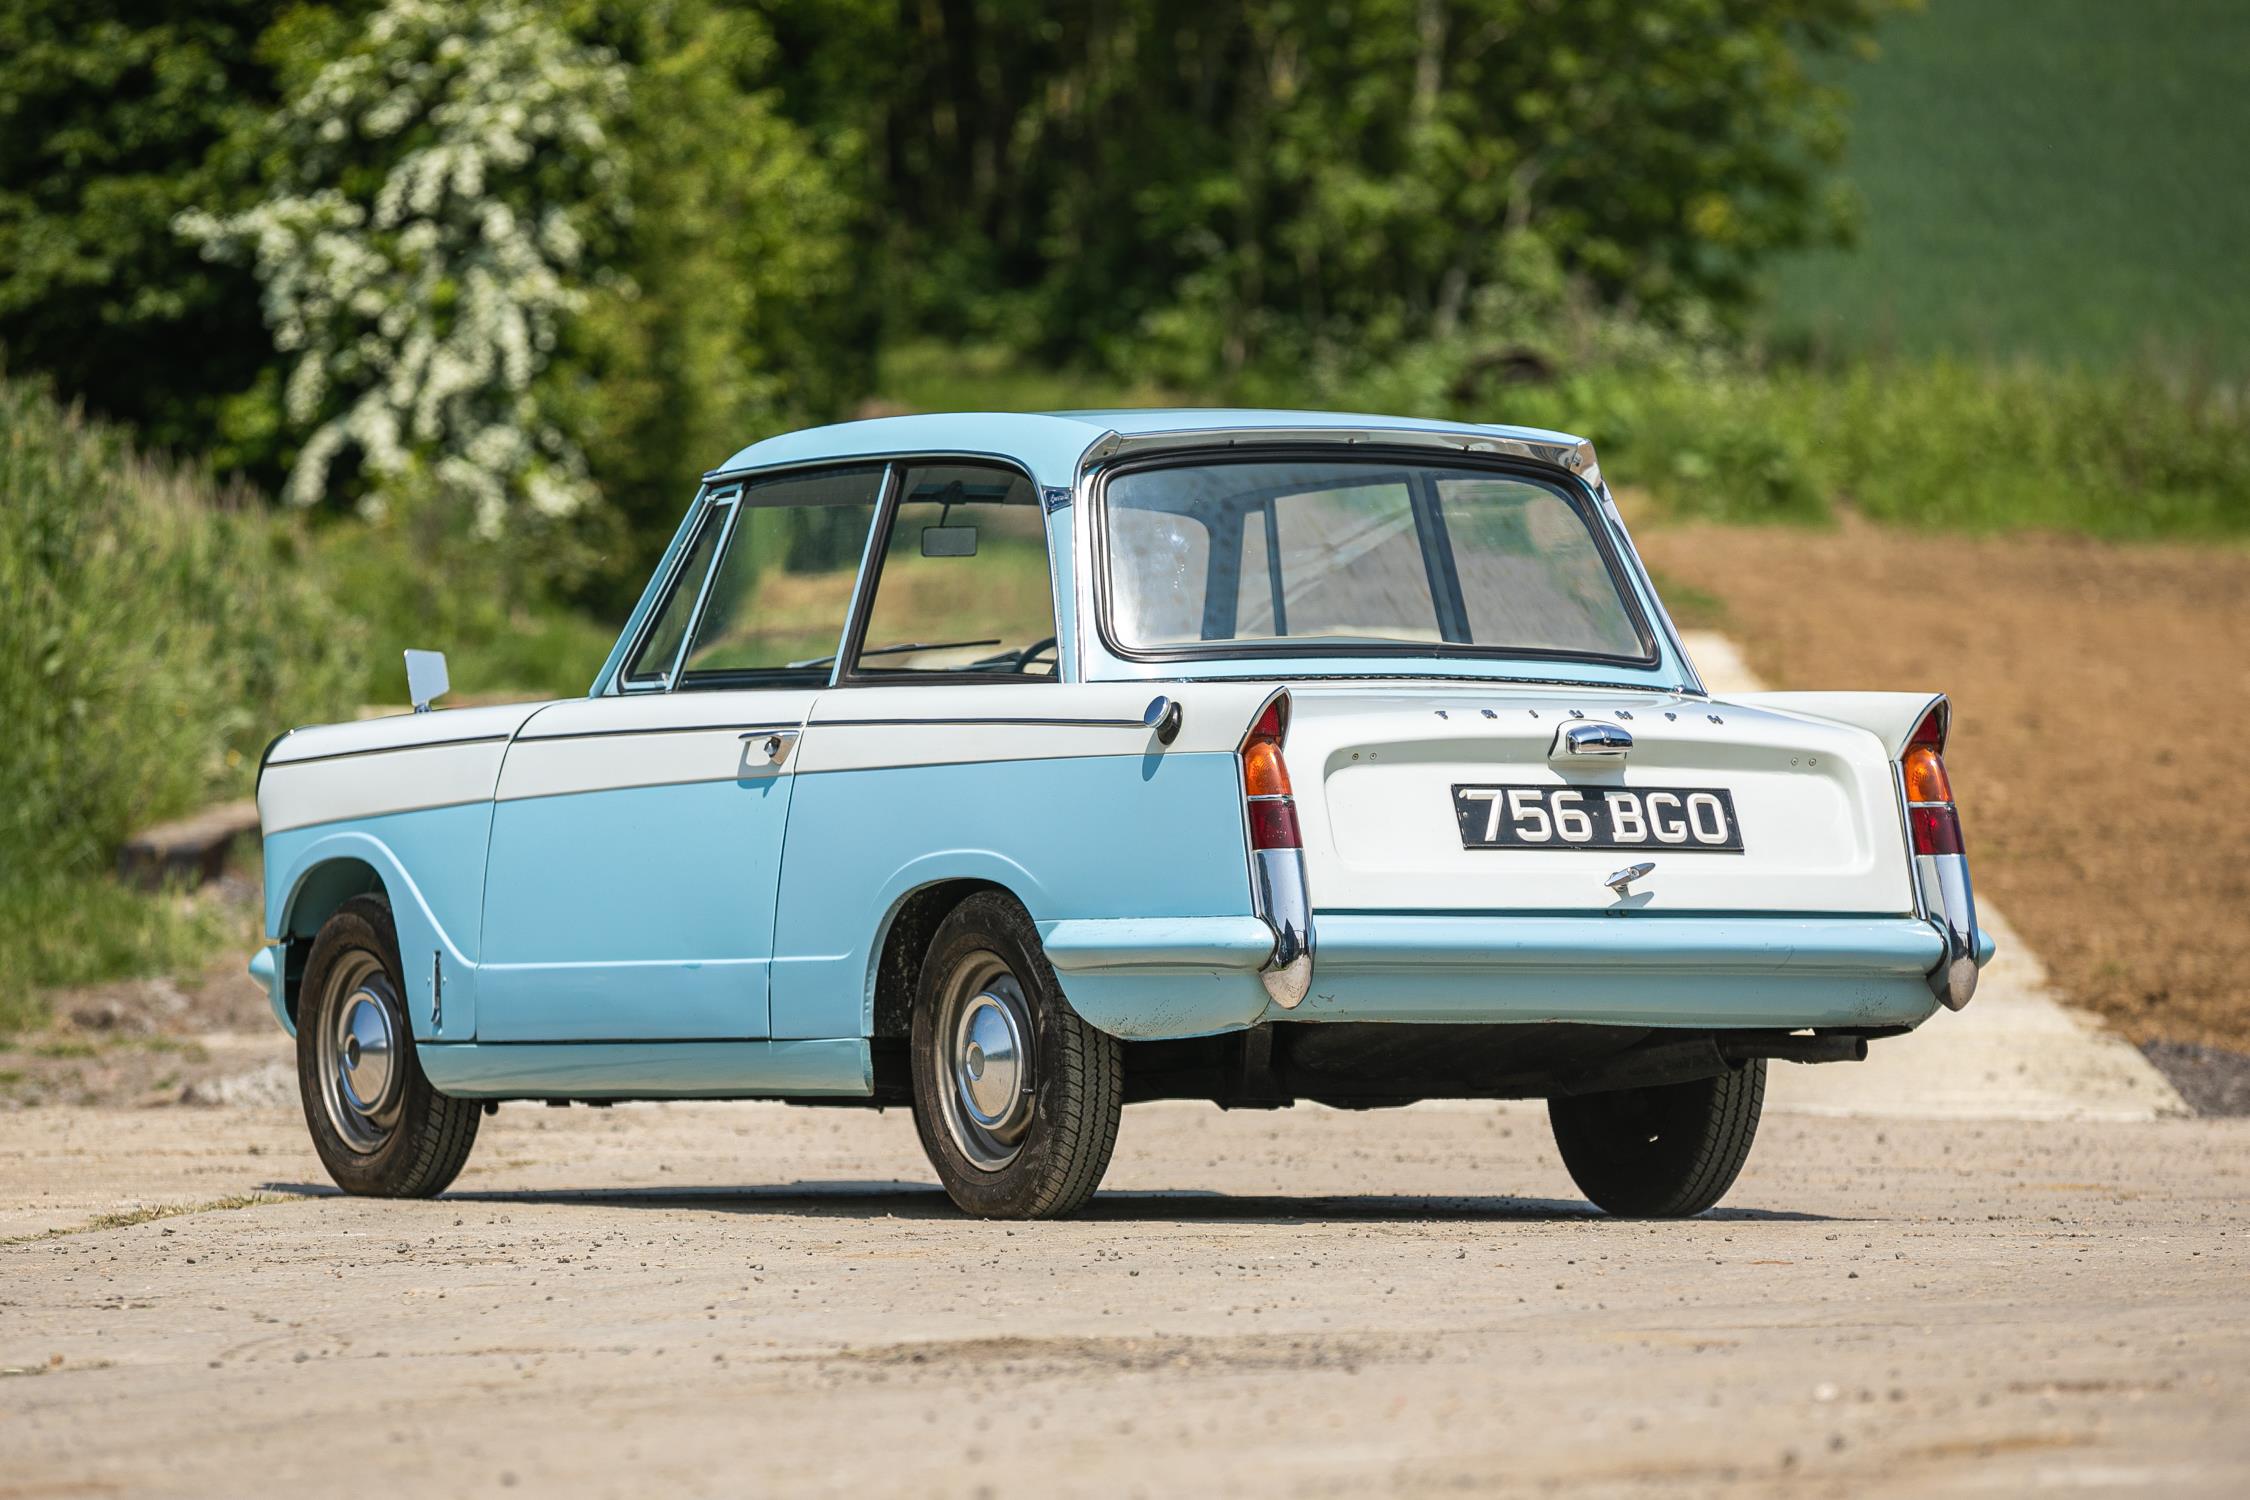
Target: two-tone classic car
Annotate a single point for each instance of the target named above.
(1021, 767)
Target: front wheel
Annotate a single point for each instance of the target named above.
(380, 1128)
(1015, 1097)
(1664, 1152)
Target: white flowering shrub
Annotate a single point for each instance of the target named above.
(425, 248)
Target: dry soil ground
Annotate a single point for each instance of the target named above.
(2101, 748)
(729, 1299)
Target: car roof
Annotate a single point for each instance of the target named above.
(1053, 444)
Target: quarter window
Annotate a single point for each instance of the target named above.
(963, 583)
(651, 666)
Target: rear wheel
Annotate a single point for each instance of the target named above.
(1663, 1152)
(1015, 1097)
(379, 1126)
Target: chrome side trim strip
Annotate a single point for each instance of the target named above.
(309, 760)
(1034, 723)
(724, 727)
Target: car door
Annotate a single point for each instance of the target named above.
(923, 750)
(637, 834)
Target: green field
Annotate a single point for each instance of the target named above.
(2068, 179)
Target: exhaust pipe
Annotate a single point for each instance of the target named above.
(1803, 1049)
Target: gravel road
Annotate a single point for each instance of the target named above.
(749, 1298)
(727, 1298)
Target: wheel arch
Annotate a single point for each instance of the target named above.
(331, 871)
(903, 940)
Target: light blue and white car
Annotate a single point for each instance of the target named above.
(1022, 767)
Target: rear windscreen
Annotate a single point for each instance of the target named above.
(1317, 555)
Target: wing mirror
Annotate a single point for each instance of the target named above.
(426, 681)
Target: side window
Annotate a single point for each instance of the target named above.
(651, 666)
(963, 586)
(777, 605)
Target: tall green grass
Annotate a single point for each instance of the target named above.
(157, 628)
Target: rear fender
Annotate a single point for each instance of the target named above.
(1890, 717)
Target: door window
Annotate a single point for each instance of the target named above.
(777, 605)
(963, 584)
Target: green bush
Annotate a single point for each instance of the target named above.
(158, 630)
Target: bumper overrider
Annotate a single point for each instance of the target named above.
(1951, 902)
(1279, 898)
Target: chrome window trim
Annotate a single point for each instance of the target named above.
(1606, 504)
(732, 500)
(622, 684)
(1583, 498)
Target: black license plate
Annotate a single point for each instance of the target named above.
(1683, 818)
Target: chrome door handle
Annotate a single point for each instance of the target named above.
(771, 744)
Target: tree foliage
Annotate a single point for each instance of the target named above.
(739, 302)
(114, 116)
(424, 247)
(1247, 179)
(1209, 192)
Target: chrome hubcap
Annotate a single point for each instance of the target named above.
(361, 1072)
(985, 1028)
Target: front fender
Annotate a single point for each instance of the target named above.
(429, 866)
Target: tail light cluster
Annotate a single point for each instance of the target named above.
(1265, 781)
(1930, 813)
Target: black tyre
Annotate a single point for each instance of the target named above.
(1664, 1152)
(1015, 1097)
(379, 1127)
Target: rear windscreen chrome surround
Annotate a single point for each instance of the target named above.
(1574, 491)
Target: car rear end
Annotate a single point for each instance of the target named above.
(1534, 854)
(1487, 786)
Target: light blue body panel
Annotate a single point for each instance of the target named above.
(1085, 836)
(1152, 981)
(265, 967)
(635, 913)
(431, 864)
(649, 1070)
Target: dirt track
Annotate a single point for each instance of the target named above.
(2102, 742)
(728, 1298)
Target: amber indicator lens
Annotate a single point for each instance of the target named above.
(1263, 774)
(1925, 776)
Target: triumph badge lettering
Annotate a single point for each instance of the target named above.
(1688, 820)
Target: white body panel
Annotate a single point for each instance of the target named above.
(873, 728)
(1374, 769)
(376, 767)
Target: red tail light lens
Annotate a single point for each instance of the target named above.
(1265, 780)
(1937, 830)
(1930, 814)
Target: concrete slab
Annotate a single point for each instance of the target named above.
(2017, 1053)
